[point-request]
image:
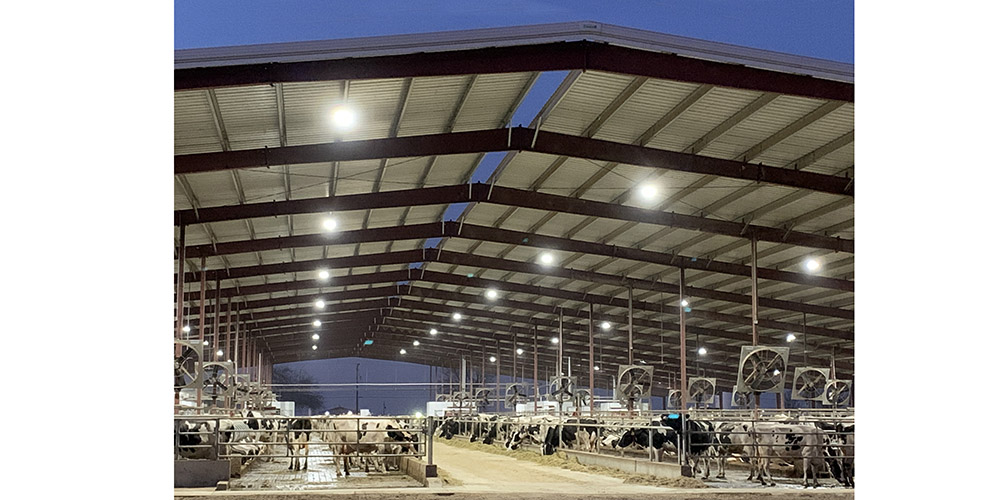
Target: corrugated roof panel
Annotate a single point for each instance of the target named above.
(623, 178)
(748, 204)
(309, 253)
(524, 168)
(181, 201)
(307, 111)
(712, 109)
(307, 181)
(355, 177)
(485, 214)
(523, 219)
(403, 173)
(835, 162)
(194, 127)
(761, 125)
(423, 215)
(592, 92)
(376, 102)
(570, 175)
(559, 224)
(213, 188)
(821, 223)
(451, 169)
(385, 217)
(649, 104)
(491, 98)
(250, 116)
(262, 184)
(431, 103)
(797, 208)
(814, 136)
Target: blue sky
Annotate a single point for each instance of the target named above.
(822, 29)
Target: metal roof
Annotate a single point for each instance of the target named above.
(738, 142)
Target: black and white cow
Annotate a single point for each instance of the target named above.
(663, 438)
(297, 440)
(584, 432)
(698, 438)
(791, 442)
(485, 427)
(265, 429)
(196, 439)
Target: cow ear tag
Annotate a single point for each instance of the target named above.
(673, 415)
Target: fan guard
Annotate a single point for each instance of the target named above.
(741, 399)
(758, 367)
(701, 390)
(482, 396)
(513, 395)
(635, 382)
(187, 366)
(581, 398)
(561, 388)
(218, 379)
(809, 383)
(674, 399)
(837, 392)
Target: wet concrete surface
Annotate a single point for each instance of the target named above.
(321, 475)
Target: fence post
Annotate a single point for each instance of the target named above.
(216, 447)
(430, 440)
(652, 453)
(177, 439)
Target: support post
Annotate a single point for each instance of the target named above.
(753, 299)
(630, 324)
(683, 362)
(559, 360)
(217, 325)
(535, 376)
(591, 347)
(201, 328)
(229, 322)
(180, 289)
(497, 381)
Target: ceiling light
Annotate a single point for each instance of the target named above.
(519, 351)
(648, 191)
(402, 351)
(329, 224)
(456, 316)
(186, 329)
(493, 359)
(320, 304)
(204, 343)
(434, 331)
(416, 343)
(790, 337)
(684, 302)
(219, 352)
(317, 323)
(369, 342)
(324, 274)
(315, 336)
(702, 351)
(605, 325)
(547, 258)
(344, 117)
(491, 294)
(597, 368)
(314, 348)
(777, 372)
(555, 340)
(812, 265)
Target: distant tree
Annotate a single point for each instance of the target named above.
(302, 397)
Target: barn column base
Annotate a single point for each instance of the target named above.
(200, 473)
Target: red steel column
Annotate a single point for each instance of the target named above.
(630, 324)
(753, 298)
(229, 323)
(591, 343)
(216, 325)
(236, 343)
(201, 326)
(180, 290)
(559, 360)
(535, 377)
(683, 322)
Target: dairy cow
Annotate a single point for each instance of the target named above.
(297, 441)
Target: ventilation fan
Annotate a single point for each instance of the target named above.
(809, 383)
(259, 396)
(581, 398)
(837, 392)
(674, 399)
(635, 382)
(561, 388)
(187, 366)
(241, 393)
(514, 395)
(701, 390)
(443, 397)
(482, 396)
(218, 380)
(741, 399)
(461, 397)
(762, 369)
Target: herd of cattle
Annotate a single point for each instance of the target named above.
(821, 447)
(363, 442)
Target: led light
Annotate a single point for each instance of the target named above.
(456, 316)
(418, 415)
(777, 372)
(186, 329)
(555, 340)
(648, 191)
(684, 302)
(317, 323)
(369, 342)
(434, 331)
(605, 326)
(790, 337)
(493, 359)
(324, 274)
(344, 117)
(597, 368)
(314, 348)
(491, 294)
(702, 351)
(402, 351)
(329, 224)
(812, 265)
(519, 351)
(315, 336)
(204, 343)
(320, 304)
(219, 352)
(229, 361)
(416, 343)
(547, 259)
